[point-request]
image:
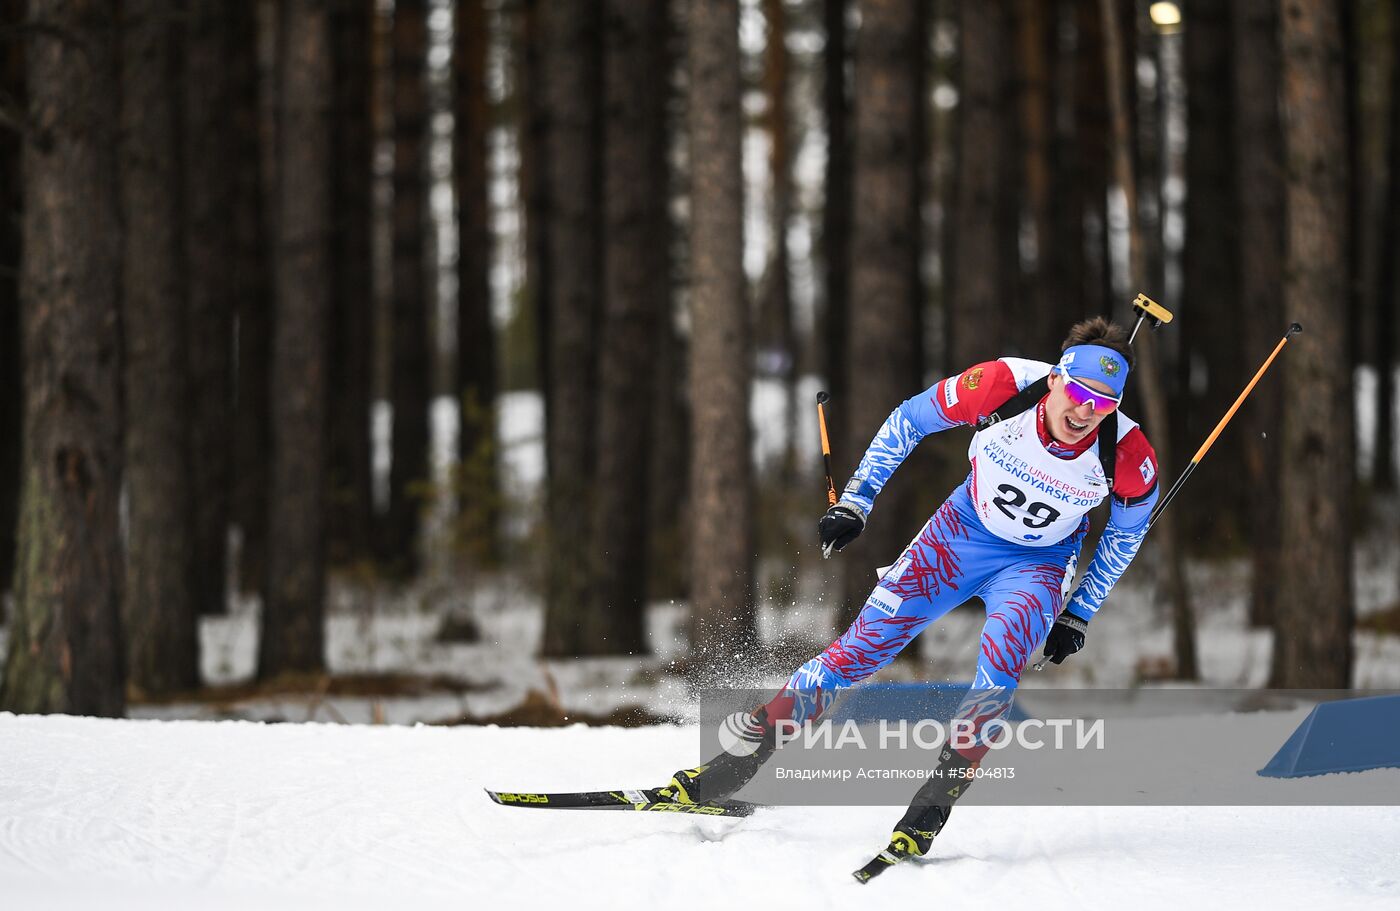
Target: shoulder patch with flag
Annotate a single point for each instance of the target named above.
(1148, 471)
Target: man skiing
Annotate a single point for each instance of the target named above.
(1050, 445)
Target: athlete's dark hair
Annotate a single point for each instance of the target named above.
(1100, 331)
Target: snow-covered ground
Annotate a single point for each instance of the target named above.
(181, 815)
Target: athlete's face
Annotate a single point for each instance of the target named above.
(1070, 423)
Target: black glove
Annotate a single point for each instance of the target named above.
(841, 525)
(1066, 637)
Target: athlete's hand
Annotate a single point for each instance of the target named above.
(1066, 637)
(841, 525)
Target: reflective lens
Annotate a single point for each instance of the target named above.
(1079, 394)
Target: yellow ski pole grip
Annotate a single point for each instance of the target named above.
(822, 399)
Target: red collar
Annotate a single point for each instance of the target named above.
(1054, 446)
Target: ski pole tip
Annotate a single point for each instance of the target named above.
(823, 398)
(1294, 328)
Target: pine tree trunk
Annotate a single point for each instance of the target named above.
(534, 191)
(976, 323)
(721, 479)
(776, 344)
(884, 343)
(1210, 324)
(1259, 202)
(1383, 467)
(11, 371)
(1313, 623)
(836, 208)
(207, 190)
(571, 64)
(1151, 153)
(668, 468)
(478, 452)
(253, 283)
(65, 638)
(1091, 125)
(668, 461)
(349, 481)
(293, 628)
(1073, 184)
(1035, 32)
(1149, 378)
(160, 613)
(634, 268)
(411, 374)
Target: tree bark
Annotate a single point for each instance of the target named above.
(572, 47)
(253, 283)
(722, 552)
(1259, 202)
(1383, 467)
(1078, 154)
(979, 268)
(11, 371)
(668, 461)
(411, 371)
(1035, 32)
(478, 498)
(65, 651)
(1093, 296)
(207, 190)
(1313, 623)
(293, 630)
(777, 346)
(836, 208)
(1210, 313)
(534, 190)
(160, 613)
(884, 343)
(635, 288)
(349, 478)
(1149, 378)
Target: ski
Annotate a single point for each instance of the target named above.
(647, 800)
(901, 847)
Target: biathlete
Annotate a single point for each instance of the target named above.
(1050, 445)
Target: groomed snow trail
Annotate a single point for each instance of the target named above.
(157, 815)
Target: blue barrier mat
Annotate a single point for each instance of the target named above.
(1350, 735)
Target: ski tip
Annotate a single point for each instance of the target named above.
(495, 798)
(862, 877)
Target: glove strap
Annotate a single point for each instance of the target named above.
(1078, 624)
(854, 508)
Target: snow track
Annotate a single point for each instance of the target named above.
(155, 815)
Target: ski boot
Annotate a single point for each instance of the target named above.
(927, 814)
(750, 741)
(929, 811)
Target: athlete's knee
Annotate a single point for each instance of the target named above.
(1004, 655)
(872, 641)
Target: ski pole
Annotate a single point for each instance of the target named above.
(1293, 328)
(1210, 440)
(822, 399)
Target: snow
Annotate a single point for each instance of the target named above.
(156, 815)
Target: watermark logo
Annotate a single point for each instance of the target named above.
(740, 734)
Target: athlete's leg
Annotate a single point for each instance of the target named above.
(1022, 599)
(941, 568)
